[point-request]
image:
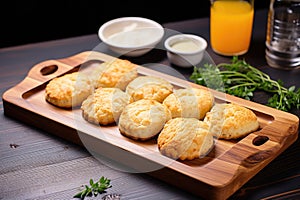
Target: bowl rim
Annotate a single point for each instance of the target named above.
(185, 36)
(153, 24)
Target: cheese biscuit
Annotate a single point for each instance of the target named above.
(117, 73)
(68, 90)
(185, 139)
(189, 102)
(149, 87)
(143, 119)
(231, 121)
(105, 105)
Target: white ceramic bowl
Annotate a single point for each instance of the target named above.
(131, 36)
(185, 50)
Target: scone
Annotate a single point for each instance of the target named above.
(68, 90)
(231, 121)
(117, 73)
(105, 105)
(149, 87)
(185, 139)
(143, 119)
(189, 102)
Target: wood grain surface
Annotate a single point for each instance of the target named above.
(221, 173)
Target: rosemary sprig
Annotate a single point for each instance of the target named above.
(95, 188)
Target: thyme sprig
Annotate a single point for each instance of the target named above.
(240, 79)
(95, 188)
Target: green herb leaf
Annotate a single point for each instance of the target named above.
(95, 188)
(240, 79)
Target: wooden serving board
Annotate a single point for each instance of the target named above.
(218, 175)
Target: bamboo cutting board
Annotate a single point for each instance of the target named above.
(218, 175)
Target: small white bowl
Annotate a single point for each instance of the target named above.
(185, 50)
(131, 36)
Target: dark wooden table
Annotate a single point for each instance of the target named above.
(35, 164)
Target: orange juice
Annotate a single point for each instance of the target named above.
(231, 26)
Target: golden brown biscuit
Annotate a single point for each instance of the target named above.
(117, 73)
(68, 90)
(143, 119)
(149, 87)
(189, 102)
(185, 139)
(231, 121)
(105, 105)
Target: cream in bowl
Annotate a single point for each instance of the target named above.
(131, 36)
(185, 50)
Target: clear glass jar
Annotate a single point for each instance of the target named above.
(283, 34)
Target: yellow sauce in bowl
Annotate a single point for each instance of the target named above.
(185, 46)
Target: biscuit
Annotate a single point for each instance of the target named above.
(149, 87)
(189, 102)
(185, 139)
(143, 119)
(105, 105)
(117, 73)
(231, 121)
(68, 90)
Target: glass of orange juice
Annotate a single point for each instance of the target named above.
(231, 26)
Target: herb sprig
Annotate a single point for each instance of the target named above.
(240, 79)
(95, 188)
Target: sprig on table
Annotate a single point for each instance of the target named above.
(95, 188)
(240, 79)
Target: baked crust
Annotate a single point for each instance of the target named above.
(189, 102)
(185, 139)
(143, 119)
(68, 90)
(231, 121)
(105, 105)
(149, 87)
(117, 73)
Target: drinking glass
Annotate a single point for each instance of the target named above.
(231, 26)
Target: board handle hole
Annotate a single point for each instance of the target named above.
(260, 140)
(48, 70)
